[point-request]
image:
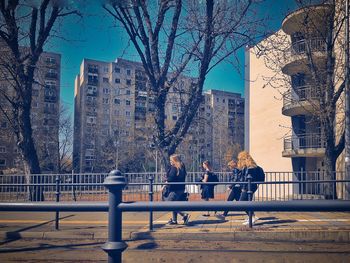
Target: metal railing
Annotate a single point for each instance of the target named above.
(300, 94)
(115, 183)
(89, 187)
(304, 141)
(313, 44)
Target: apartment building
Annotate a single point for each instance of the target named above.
(283, 122)
(113, 120)
(44, 116)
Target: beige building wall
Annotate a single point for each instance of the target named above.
(266, 124)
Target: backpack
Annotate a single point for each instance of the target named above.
(213, 178)
(260, 177)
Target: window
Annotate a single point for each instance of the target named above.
(128, 82)
(2, 149)
(116, 101)
(117, 70)
(105, 80)
(127, 102)
(174, 108)
(223, 100)
(174, 117)
(217, 99)
(105, 69)
(50, 60)
(2, 162)
(105, 91)
(127, 113)
(105, 100)
(35, 104)
(4, 124)
(117, 80)
(128, 72)
(127, 92)
(117, 91)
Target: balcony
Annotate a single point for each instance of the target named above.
(303, 100)
(304, 145)
(51, 75)
(295, 21)
(296, 59)
(93, 70)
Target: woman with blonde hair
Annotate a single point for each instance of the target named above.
(175, 174)
(248, 167)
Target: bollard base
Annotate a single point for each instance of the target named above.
(111, 247)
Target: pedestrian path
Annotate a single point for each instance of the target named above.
(303, 226)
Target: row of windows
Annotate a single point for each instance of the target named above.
(94, 68)
(127, 81)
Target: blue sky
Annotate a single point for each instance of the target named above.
(96, 36)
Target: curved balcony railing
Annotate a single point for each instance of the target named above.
(304, 141)
(314, 44)
(300, 94)
(296, 53)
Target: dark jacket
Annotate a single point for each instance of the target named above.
(254, 173)
(173, 176)
(236, 178)
(207, 189)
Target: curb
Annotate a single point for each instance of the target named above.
(300, 235)
(339, 236)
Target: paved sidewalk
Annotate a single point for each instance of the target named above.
(291, 226)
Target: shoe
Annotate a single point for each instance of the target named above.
(186, 218)
(220, 216)
(254, 219)
(172, 222)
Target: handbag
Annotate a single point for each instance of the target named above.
(165, 191)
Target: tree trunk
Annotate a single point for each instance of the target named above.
(330, 164)
(26, 145)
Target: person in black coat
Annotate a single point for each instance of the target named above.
(235, 188)
(177, 174)
(248, 167)
(207, 189)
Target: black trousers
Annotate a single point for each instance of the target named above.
(244, 197)
(235, 194)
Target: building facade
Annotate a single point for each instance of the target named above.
(284, 96)
(44, 116)
(113, 121)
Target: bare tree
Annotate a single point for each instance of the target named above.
(65, 146)
(316, 74)
(175, 37)
(24, 30)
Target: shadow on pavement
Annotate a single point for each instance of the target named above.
(274, 222)
(16, 235)
(47, 246)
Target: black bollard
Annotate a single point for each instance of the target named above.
(58, 192)
(115, 183)
(150, 193)
(250, 193)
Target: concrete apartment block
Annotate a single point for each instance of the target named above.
(44, 116)
(113, 110)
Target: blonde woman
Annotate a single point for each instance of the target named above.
(176, 173)
(248, 167)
